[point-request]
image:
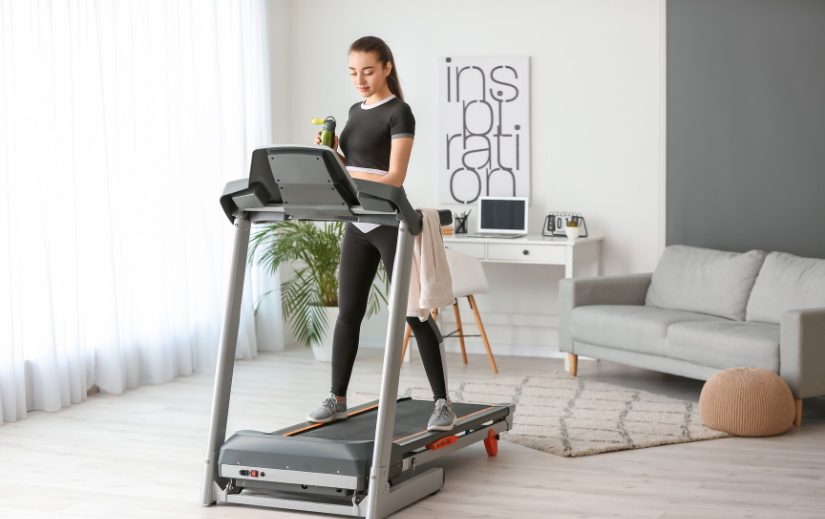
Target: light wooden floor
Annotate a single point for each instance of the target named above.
(139, 455)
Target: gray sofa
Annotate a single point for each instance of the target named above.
(703, 311)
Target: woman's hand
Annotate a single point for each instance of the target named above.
(334, 140)
(334, 146)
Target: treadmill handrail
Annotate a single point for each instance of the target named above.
(397, 197)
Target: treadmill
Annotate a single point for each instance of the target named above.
(379, 459)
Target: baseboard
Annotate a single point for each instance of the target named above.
(452, 346)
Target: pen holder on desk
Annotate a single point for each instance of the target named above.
(460, 224)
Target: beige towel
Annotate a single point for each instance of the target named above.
(431, 285)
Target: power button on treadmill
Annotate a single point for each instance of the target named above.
(254, 474)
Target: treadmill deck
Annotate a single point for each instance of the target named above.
(411, 419)
(309, 452)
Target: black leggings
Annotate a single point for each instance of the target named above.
(360, 253)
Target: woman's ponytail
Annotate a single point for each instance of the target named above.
(377, 45)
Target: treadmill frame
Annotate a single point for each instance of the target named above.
(251, 200)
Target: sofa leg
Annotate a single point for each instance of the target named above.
(797, 421)
(574, 363)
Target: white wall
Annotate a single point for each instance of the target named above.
(280, 55)
(597, 89)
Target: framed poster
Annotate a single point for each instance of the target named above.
(484, 128)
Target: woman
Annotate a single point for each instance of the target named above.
(377, 142)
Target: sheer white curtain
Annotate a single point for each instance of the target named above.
(120, 122)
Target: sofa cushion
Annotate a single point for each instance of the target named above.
(703, 280)
(725, 344)
(786, 282)
(635, 328)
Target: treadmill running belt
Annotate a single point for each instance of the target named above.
(411, 417)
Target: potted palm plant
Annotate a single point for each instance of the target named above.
(310, 298)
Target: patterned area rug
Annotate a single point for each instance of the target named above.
(570, 416)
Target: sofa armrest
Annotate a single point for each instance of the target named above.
(606, 290)
(802, 351)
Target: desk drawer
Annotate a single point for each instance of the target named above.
(532, 253)
(475, 250)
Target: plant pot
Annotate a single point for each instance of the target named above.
(572, 232)
(323, 351)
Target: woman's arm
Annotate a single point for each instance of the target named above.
(399, 160)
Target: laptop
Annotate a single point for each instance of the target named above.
(501, 218)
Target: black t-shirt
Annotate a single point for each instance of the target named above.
(367, 138)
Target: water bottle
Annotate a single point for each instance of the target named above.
(328, 131)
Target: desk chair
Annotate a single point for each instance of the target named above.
(468, 280)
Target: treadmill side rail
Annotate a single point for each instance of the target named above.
(416, 459)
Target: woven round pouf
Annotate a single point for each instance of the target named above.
(747, 402)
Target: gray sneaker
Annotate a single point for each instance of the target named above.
(443, 418)
(331, 409)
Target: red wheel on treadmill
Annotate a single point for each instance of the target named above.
(491, 443)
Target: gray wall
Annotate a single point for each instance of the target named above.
(746, 125)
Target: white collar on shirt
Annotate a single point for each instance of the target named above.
(379, 103)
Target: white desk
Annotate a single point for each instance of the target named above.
(532, 249)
